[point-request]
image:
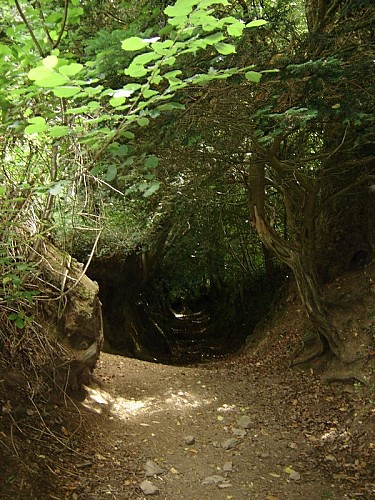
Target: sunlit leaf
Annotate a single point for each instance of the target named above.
(66, 91)
(149, 93)
(236, 29)
(256, 22)
(53, 80)
(59, 131)
(71, 69)
(225, 48)
(253, 76)
(40, 73)
(116, 101)
(122, 93)
(133, 43)
(212, 39)
(50, 61)
(180, 8)
(37, 125)
(135, 70)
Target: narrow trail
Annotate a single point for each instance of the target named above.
(211, 432)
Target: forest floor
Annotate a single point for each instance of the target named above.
(242, 427)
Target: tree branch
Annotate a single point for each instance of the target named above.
(63, 24)
(27, 24)
(41, 16)
(358, 182)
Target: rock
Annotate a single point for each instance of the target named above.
(216, 479)
(239, 432)
(230, 443)
(149, 488)
(245, 422)
(296, 476)
(226, 484)
(228, 467)
(189, 440)
(152, 469)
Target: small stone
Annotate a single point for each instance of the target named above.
(230, 443)
(216, 479)
(239, 432)
(244, 422)
(148, 488)
(223, 485)
(152, 469)
(189, 440)
(264, 454)
(296, 476)
(228, 467)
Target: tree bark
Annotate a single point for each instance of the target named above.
(308, 288)
(299, 258)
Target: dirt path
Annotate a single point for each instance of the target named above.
(247, 436)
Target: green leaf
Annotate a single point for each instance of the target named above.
(116, 101)
(59, 131)
(146, 58)
(143, 121)
(40, 73)
(53, 80)
(253, 76)
(225, 48)
(66, 91)
(235, 29)
(122, 150)
(50, 61)
(70, 69)
(212, 39)
(171, 76)
(256, 22)
(135, 70)
(19, 323)
(37, 125)
(111, 173)
(133, 43)
(151, 161)
(149, 93)
(180, 8)
(162, 47)
(152, 189)
(171, 105)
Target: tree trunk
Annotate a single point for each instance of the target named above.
(326, 337)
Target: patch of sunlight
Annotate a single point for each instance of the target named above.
(333, 434)
(102, 402)
(183, 400)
